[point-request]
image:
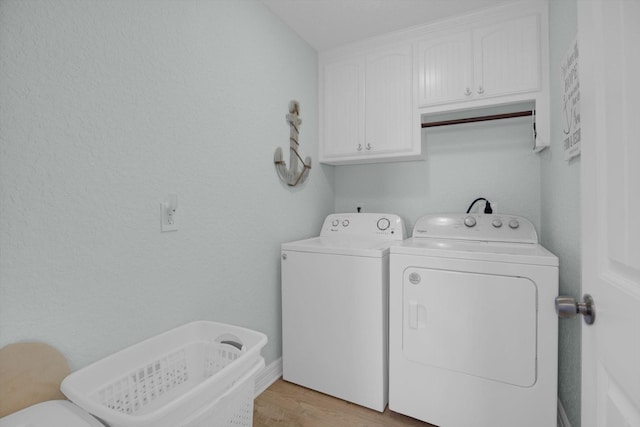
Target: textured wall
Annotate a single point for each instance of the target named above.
(489, 159)
(107, 106)
(561, 208)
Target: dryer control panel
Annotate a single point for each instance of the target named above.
(365, 225)
(489, 228)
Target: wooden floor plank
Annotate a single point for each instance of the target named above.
(285, 404)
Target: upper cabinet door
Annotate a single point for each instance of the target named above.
(367, 107)
(343, 108)
(507, 57)
(444, 69)
(388, 103)
(488, 61)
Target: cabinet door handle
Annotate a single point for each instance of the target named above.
(468, 92)
(359, 147)
(480, 90)
(368, 146)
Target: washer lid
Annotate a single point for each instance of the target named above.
(53, 413)
(520, 253)
(341, 246)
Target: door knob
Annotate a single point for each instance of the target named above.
(568, 307)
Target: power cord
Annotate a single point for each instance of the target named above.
(487, 205)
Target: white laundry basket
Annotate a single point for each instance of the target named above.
(199, 374)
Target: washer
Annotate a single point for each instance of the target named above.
(335, 307)
(473, 330)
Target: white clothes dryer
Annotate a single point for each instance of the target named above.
(473, 329)
(335, 307)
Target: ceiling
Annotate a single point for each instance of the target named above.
(326, 24)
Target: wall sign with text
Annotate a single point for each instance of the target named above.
(571, 102)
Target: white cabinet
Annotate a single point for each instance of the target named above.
(488, 61)
(445, 68)
(366, 106)
(375, 93)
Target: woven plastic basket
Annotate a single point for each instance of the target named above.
(178, 378)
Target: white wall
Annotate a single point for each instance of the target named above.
(561, 209)
(106, 107)
(489, 159)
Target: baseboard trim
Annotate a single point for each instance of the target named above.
(268, 376)
(563, 421)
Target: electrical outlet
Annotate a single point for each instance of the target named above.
(168, 213)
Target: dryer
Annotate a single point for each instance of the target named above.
(335, 307)
(473, 329)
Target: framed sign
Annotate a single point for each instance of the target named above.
(571, 102)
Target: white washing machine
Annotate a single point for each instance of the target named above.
(473, 329)
(335, 307)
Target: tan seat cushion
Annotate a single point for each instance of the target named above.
(30, 373)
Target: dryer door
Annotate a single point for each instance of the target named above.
(477, 324)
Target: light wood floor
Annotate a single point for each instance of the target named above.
(285, 404)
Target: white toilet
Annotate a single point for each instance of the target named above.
(53, 413)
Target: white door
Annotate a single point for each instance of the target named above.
(438, 315)
(609, 49)
(507, 58)
(343, 123)
(388, 102)
(445, 69)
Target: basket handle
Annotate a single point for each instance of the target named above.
(236, 344)
(232, 340)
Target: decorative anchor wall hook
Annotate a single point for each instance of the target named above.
(292, 176)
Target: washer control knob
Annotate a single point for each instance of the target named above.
(345, 223)
(335, 222)
(383, 224)
(514, 224)
(470, 221)
(497, 223)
